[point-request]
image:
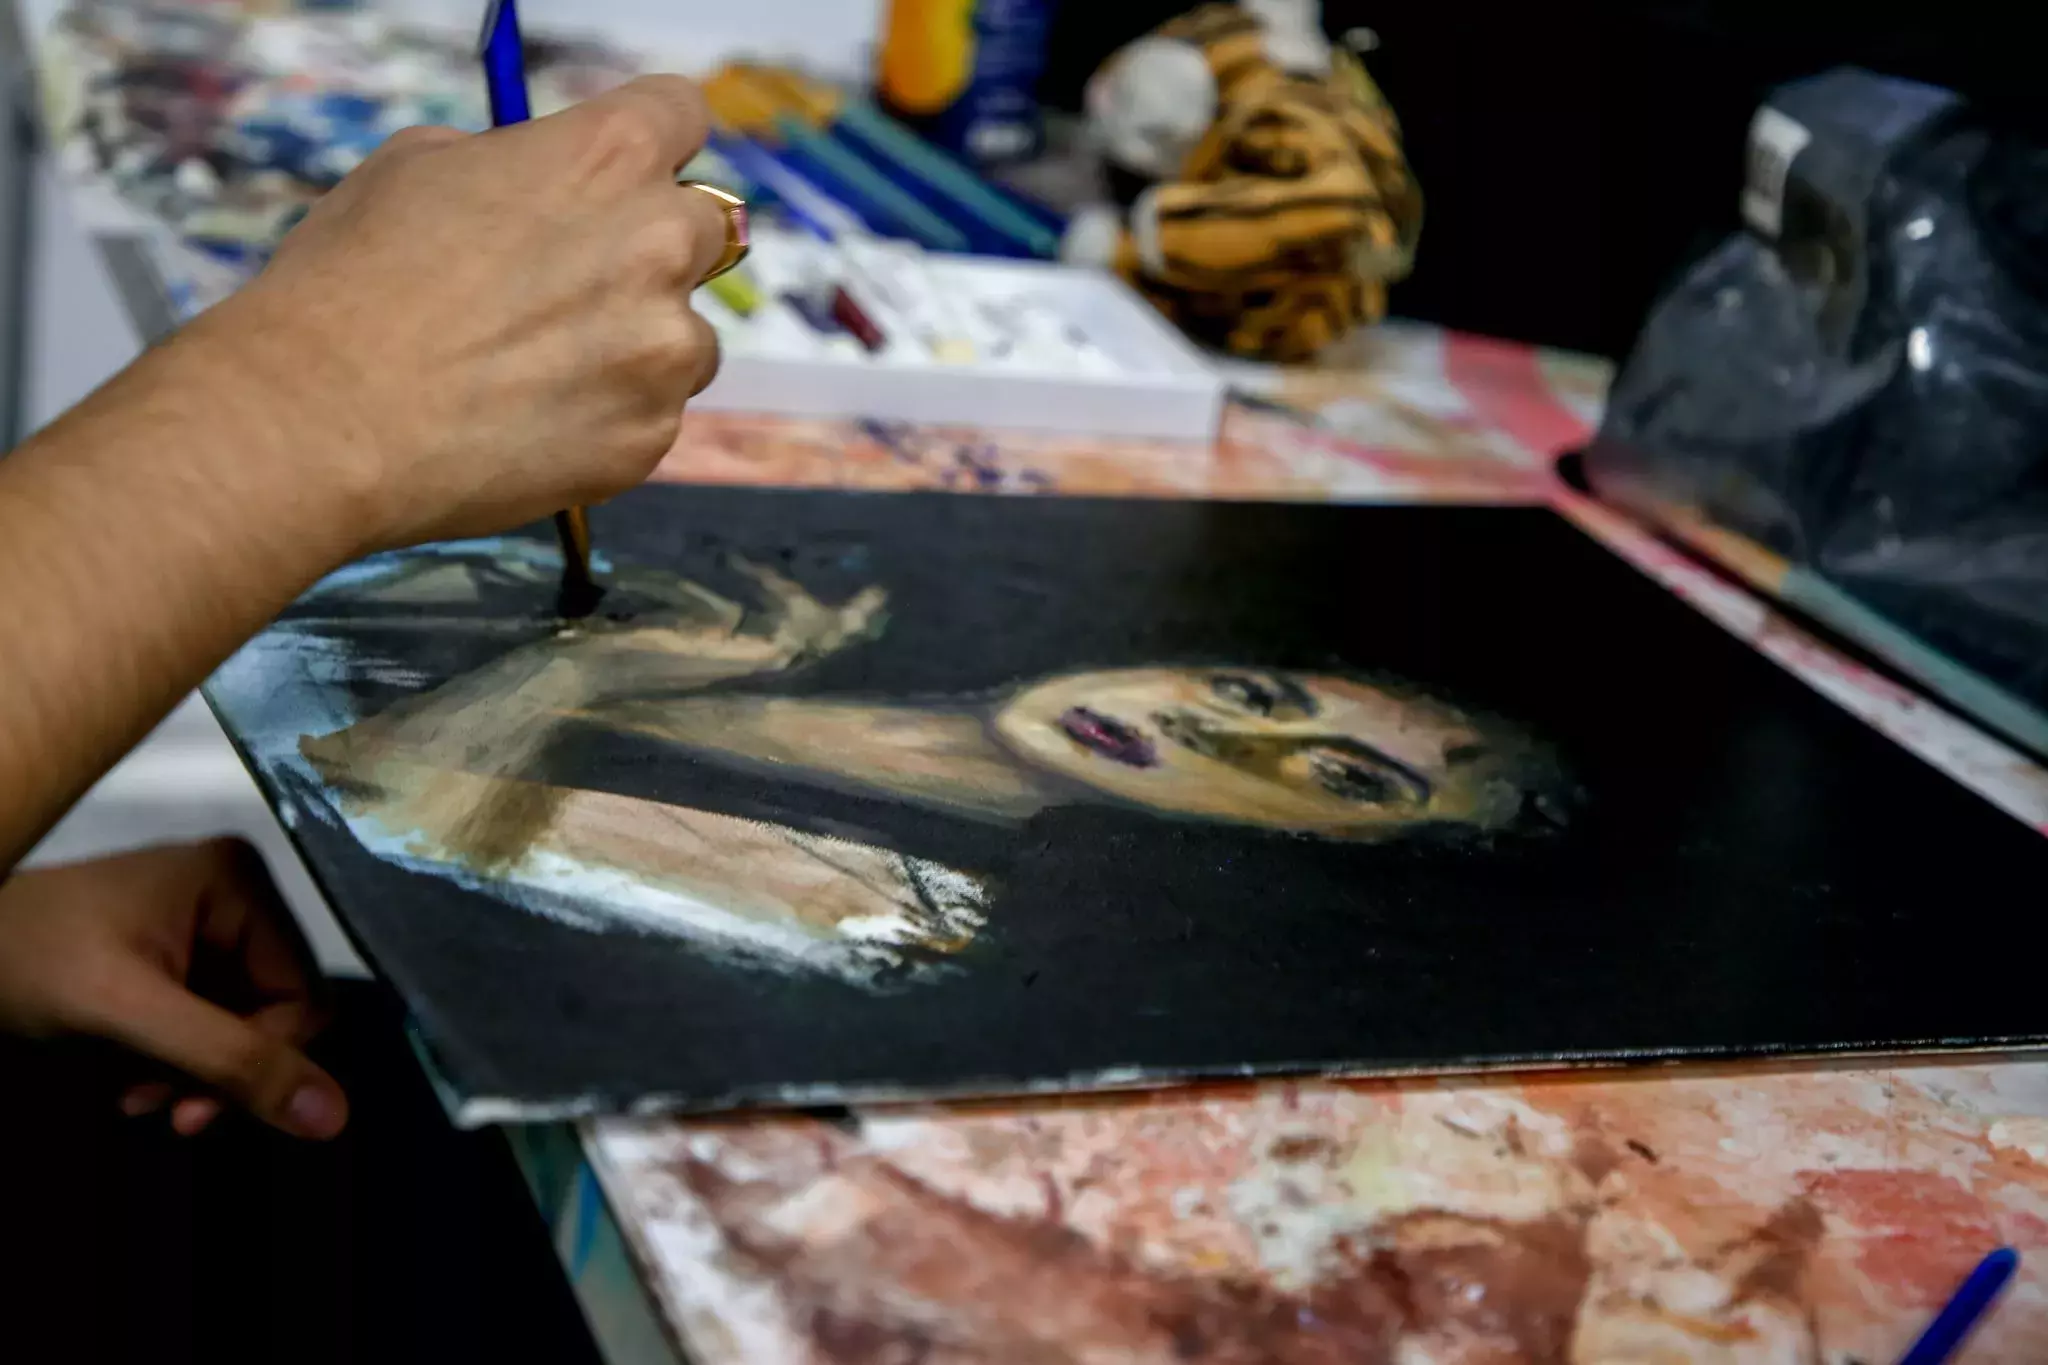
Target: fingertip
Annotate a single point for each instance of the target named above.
(317, 1110)
(191, 1115)
(680, 93)
(663, 114)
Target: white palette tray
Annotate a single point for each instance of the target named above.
(1131, 374)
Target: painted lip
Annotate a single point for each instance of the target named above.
(1105, 735)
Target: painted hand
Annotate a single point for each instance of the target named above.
(804, 627)
(470, 332)
(185, 955)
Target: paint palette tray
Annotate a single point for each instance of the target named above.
(978, 341)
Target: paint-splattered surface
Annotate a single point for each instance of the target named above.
(1262, 455)
(1795, 1216)
(1462, 419)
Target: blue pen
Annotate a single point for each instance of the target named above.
(1969, 1303)
(504, 59)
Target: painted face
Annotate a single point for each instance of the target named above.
(1291, 751)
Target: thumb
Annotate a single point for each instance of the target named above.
(265, 1074)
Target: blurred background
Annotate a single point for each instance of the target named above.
(1576, 154)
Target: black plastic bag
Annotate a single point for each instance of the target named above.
(1859, 382)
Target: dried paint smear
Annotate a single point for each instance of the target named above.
(1742, 1217)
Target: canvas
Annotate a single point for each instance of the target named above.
(866, 795)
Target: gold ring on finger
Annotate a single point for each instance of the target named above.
(736, 239)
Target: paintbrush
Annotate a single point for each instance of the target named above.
(504, 60)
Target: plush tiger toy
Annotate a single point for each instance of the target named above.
(1264, 201)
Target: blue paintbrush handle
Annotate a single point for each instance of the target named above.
(504, 58)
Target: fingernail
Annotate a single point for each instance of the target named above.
(315, 1112)
(190, 1116)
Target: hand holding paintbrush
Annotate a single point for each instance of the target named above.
(504, 62)
(491, 327)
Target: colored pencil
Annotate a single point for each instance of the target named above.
(890, 199)
(942, 173)
(803, 203)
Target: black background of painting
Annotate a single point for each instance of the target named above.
(1754, 871)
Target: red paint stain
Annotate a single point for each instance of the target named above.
(1505, 387)
(1916, 1233)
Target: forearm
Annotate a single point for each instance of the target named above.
(143, 538)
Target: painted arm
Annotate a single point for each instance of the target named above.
(495, 720)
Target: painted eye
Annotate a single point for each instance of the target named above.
(1349, 772)
(1354, 781)
(1244, 692)
(1263, 694)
